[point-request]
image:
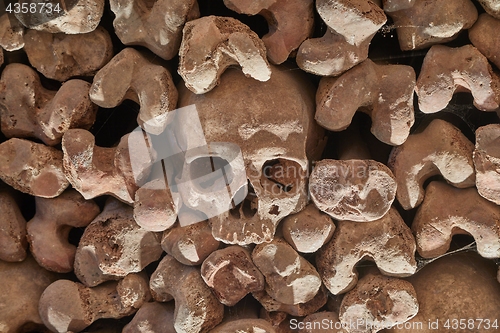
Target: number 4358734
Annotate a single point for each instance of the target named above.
(470, 324)
(33, 8)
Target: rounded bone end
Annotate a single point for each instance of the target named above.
(63, 307)
(245, 326)
(444, 292)
(353, 190)
(378, 302)
(154, 208)
(308, 230)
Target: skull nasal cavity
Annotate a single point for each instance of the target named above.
(211, 172)
(248, 207)
(283, 174)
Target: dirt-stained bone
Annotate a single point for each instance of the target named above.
(353, 190)
(310, 322)
(156, 25)
(71, 17)
(487, 162)
(307, 230)
(290, 279)
(350, 27)
(468, 213)
(94, 171)
(49, 229)
(388, 242)
(81, 306)
(191, 244)
(11, 33)
(155, 209)
(395, 5)
(32, 168)
(27, 109)
(275, 146)
(429, 22)
(378, 302)
(231, 274)
(484, 37)
(356, 20)
(197, 310)
(211, 44)
(451, 278)
(22, 284)
(439, 149)
(132, 75)
(290, 23)
(301, 309)
(153, 317)
(251, 325)
(61, 56)
(385, 92)
(13, 242)
(113, 245)
(446, 70)
(492, 7)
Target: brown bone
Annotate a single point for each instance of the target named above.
(28, 110)
(211, 44)
(290, 279)
(197, 309)
(446, 70)
(155, 209)
(94, 171)
(244, 326)
(312, 320)
(113, 245)
(134, 75)
(484, 37)
(354, 190)
(301, 309)
(440, 148)
(429, 22)
(385, 92)
(75, 17)
(492, 7)
(231, 274)
(81, 306)
(351, 26)
(153, 317)
(61, 56)
(388, 242)
(468, 213)
(191, 244)
(396, 5)
(22, 285)
(156, 25)
(378, 302)
(13, 242)
(11, 33)
(49, 229)
(450, 278)
(307, 230)
(487, 162)
(32, 168)
(290, 23)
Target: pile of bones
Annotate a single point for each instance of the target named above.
(250, 166)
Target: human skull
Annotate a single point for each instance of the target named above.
(273, 124)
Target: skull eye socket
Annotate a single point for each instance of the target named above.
(211, 173)
(281, 176)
